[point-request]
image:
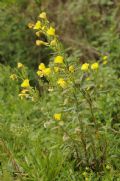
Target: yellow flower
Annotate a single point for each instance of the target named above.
(105, 62)
(30, 25)
(21, 95)
(13, 76)
(37, 25)
(43, 71)
(20, 65)
(43, 15)
(25, 83)
(42, 66)
(56, 69)
(85, 67)
(95, 66)
(53, 43)
(47, 72)
(57, 116)
(40, 73)
(71, 68)
(24, 91)
(105, 57)
(40, 42)
(51, 31)
(59, 59)
(37, 33)
(62, 83)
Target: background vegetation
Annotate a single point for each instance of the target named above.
(87, 29)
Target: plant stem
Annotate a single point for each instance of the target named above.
(73, 141)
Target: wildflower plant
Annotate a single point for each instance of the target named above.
(21, 76)
(74, 114)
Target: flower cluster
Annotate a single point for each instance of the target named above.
(26, 91)
(60, 72)
(42, 26)
(43, 71)
(85, 66)
(13, 76)
(25, 85)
